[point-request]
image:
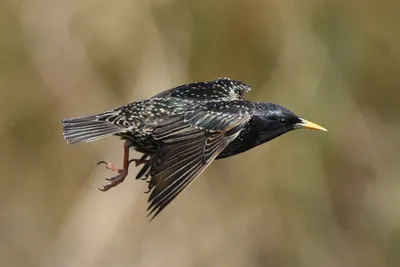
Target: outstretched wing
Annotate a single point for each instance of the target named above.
(222, 89)
(188, 144)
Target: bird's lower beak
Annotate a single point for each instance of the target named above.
(309, 125)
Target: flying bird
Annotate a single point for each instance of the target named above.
(180, 131)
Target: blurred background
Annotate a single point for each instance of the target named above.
(305, 199)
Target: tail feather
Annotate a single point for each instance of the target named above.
(90, 128)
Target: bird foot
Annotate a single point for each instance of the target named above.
(122, 173)
(110, 166)
(114, 168)
(115, 180)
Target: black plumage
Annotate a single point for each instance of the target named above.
(182, 130)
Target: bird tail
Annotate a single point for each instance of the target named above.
(90, 128)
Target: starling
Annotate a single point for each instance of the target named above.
(180, 131)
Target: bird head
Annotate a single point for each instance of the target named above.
(277, 120)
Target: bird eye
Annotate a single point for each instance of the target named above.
(282, 121)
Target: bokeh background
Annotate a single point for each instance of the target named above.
(305, 199)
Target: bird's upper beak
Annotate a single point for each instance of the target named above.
(309, 125)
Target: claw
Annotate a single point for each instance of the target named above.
(105, 188)
(147, 191)
(102, 162)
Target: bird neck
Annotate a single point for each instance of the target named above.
(253, 134)
(248, 138)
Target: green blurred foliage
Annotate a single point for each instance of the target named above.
(304, 199)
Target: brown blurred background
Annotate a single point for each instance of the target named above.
(305, 199)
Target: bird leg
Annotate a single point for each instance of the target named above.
(122, 173)
(114, 168)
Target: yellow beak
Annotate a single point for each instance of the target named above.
(310, 125)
